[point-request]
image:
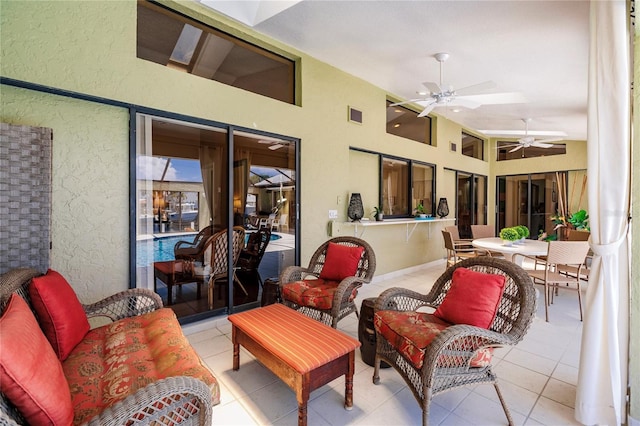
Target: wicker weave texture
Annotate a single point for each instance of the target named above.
(25, 196)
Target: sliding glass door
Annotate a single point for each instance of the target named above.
(195, 180)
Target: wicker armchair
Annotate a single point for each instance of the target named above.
(448, 359)
(219, 256)
(251, 255)
(342, 303)
(194, 250)
(181, 399)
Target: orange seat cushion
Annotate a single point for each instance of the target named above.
(115, 360)
(313, 293)
(410, 333)
(301, 342)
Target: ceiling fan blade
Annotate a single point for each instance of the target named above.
(427, 109)
(547, 140)
(542, 145)
(275, 146)
(464, 102)
(433, 87)
(517, 148)
(498, 98)
(475, 88)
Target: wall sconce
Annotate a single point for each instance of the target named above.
(443, 208)
(355, 211)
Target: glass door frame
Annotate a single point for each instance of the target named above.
(134, 113)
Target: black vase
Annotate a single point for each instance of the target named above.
(355, 210)
(443, 208)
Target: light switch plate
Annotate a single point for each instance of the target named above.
(333, 214)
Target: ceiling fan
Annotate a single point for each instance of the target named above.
(439, 95)
(527, 141)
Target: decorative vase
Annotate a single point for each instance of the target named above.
(443, 208)
(355, 211)
(507, 243)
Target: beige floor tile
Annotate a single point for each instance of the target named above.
(561, 392)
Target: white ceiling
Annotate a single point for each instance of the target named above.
(538, 48)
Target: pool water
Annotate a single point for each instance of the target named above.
(161, 249)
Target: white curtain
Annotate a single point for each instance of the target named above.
(602, 379)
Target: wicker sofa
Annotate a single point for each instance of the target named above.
(137, 369)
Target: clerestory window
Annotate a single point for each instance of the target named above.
(173, 40)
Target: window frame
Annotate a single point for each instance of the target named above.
(409, 190)
(475, 140)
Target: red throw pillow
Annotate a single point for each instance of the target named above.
(340, 262)
(30, 373)
(60, 313)
(472, 299)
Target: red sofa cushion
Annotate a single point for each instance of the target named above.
(473, 298)
(341, 261)
(40, 398)
(60, 313)
(115, 360)
(313, 293)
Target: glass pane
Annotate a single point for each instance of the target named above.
(169, 39)
(395, 187)
(405, 123)
(472, 146)
(463, 205)
(480, 200)
(423, 187)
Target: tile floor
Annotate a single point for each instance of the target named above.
(538, 376)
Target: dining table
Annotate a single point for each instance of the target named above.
(526, 247)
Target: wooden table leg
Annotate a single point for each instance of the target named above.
(236, 350)
(303, 399)
(348, 383)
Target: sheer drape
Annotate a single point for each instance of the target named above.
(207, 168)
(602, 379)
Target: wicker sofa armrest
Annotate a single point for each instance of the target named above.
(184, 400)
(401, 299)
(127, 303)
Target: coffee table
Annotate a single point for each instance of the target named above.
(304, 353)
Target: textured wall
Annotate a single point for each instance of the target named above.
(90, 201)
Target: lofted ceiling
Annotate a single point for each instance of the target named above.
(537, 48)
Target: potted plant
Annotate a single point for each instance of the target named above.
(420, 211)
(377, 213)
(580, 220)
(509, 235)
(523, 232)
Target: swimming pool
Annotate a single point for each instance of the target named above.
(161, 249)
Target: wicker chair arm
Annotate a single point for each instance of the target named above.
(127, 303)
(173, 400)
(401, 299)
(184, 244)
(294, 273)
(457, 345)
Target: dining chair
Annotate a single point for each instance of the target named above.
(485, 231)
(575, 235)
(217, 246)
(480, 304)
(561, 254)
(457, 251)
(326, 289)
